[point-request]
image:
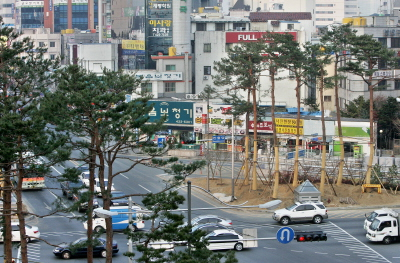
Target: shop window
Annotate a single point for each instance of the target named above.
(169, 87)
(147, 87)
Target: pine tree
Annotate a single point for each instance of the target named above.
(24, 76)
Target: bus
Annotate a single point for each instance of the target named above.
(32, 180)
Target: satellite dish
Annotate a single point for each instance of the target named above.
(271, 205)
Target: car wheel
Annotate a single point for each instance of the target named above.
(387, 240)
(66, 255)
(103, 253)
(317, 219)
(134, 228)
(28, 239)
(238, 247)
(99, 229)
(285, 220)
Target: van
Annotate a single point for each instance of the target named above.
(119, 221)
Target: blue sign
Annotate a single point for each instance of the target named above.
(160, 142)
(176, 112)
(291, 154)
(285, 235)
(218, 139)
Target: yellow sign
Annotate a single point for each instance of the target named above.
(133, 44)
(288, 126)
(288, 122)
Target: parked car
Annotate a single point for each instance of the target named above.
(32, 233)
(306, 211)
(69, 187)
(224, 239)
(81, 197)
(209, 227)
(78, 248)
(85, 176)
(82, 168)
(203, 219)
(119, 201)
(97, 188)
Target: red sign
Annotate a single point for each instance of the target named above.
(262, 126)
(204, 118)
(242, 36)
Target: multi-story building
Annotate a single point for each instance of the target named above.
(7, 12)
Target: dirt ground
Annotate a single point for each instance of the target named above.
(335, 196)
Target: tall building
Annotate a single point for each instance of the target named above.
(7, 12)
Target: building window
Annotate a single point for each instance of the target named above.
(383, 41)
(397, 84)
(219, 27)
(147, 87)
(52, 57)
(170, 67)
(169, 86)
(382, 85)
(236, 26)
(324, 5)
(41, 44)
(52, 44)
(324, 12)
(207, 47)
(327, 98)
(201, 27)
(207, 70)
(395, 42)
(290, 26)
(382, 64)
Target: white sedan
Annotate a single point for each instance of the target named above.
(225, 239)
(97, 188)
(32, 233)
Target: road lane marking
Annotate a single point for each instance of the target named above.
(332, 229)
(297, 251)
(144, 188)
(125, 176)
(342, 255)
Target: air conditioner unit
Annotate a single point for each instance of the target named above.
(205, 77)
(192, 96)
(189, 96)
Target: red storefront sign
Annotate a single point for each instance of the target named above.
(241, 36)
(262, 126)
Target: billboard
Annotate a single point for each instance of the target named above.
(177, 112)
(218, 120)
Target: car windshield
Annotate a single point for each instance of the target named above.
(372, 216)
(291, 207)
(79, 241)
(375, 224)
(28, 226)
(75, 184)
(117, 194)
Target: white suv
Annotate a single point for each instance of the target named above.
(315, 212)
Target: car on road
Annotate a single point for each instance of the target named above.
(97, 188)
(78, 248)
(85, 176)
(81, 196)
(82, 168)
(203, 219)
(305, 211)
(225, 239)
(68, 187)
(32, 233)
(209, 227)
(123, 201)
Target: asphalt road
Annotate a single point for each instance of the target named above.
(346, 236)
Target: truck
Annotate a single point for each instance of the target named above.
(120, 221)
(384, 229)
(378, 213)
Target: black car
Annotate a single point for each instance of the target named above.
(78, 248)
(69, 187)
(120, 201)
